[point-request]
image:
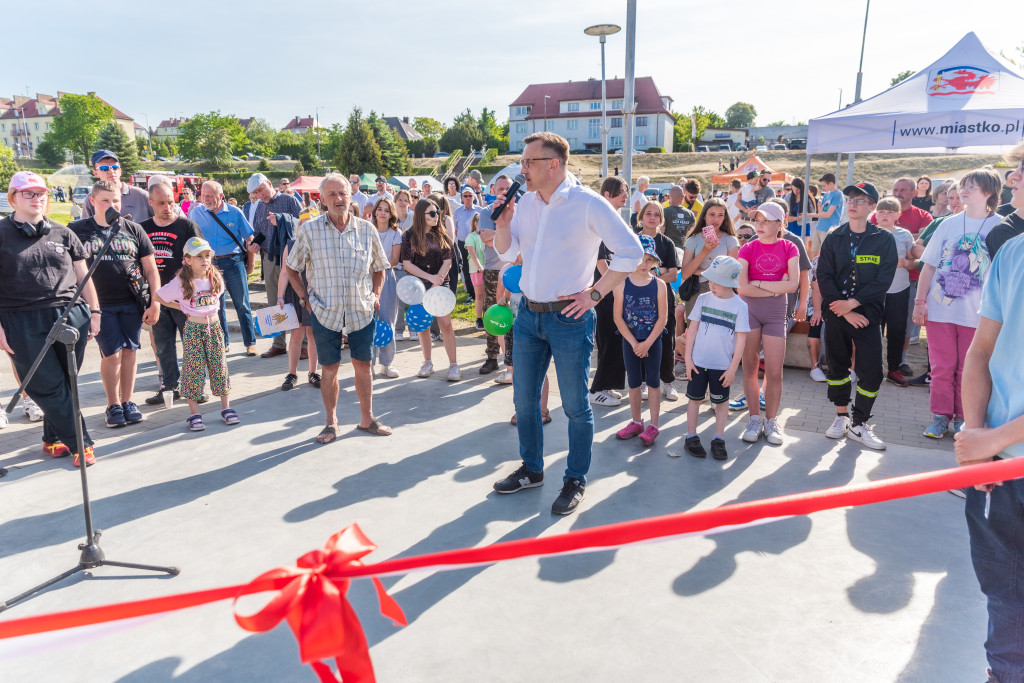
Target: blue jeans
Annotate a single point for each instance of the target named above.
(997, 551)
(570, 341)
(237, 284)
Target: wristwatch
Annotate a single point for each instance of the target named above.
(595, 295)
(303, 300)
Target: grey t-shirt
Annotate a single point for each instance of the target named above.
(491, 259)
(764, 194)
(678, 221)
(725, 245)
(904, 245)
(804, 264)
(134, 203)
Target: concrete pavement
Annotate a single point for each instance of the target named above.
(877, 593)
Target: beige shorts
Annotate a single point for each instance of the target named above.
(817, 237)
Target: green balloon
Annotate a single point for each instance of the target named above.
(498, 320)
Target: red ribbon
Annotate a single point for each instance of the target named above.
(313, 601)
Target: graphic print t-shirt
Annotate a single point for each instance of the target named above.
(768, 262)
(169, 244)
(130, 244)
(203, 303)
(720, 320)
(640, 307)
(958, 253)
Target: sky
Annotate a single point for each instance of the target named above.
(436, 59)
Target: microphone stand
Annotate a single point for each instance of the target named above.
(92, 555)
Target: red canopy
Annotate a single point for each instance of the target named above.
(753, 163)
(307, 183)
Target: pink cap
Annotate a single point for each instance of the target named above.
(772, 211)
(27, 180)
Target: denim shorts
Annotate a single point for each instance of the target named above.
(120, 328)
(328, 343)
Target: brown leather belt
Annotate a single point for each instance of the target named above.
(547, 306)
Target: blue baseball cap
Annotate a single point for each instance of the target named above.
(647, 242)
(101, 154)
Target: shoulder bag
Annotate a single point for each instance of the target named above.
(250, 257)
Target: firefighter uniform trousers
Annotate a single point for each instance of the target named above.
(843, 341)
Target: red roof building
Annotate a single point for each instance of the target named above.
(25, 120)
(300, 125)
(573, 110)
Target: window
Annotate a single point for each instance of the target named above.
(520, 127)
(595, 106)
(572, 124)
(37, 126)
(617, 104)
(615, 141)
(3, 127)
(641, 121)
(549, 124)
(572, 143)
(616, 122)
(574, 106)
(593, 128)
(641, 141)
(522, 111)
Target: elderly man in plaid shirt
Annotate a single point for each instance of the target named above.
(344, 263)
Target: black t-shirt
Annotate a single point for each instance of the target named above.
(37, 272)
(678, 221)
(1005, 230)
(169, 244)
(663, 247)
(130, 244)
(923, 203)
(1005, 209)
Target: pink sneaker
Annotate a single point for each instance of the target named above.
(649, 435)
(630, 430)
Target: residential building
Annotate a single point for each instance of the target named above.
(403, 128)
(299, 125)
(25, 120)
(573, 110)
(169, 129)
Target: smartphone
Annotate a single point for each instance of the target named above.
(709, 233)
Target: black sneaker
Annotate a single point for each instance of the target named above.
(131, 412)
(289, 382)
(906, 370)
(522, 478)
(115, 416)
(718, 449)
(569, 499)
(479, 323)
(489, 366)
(694, 447)
(158, 399)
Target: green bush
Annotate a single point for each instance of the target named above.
(686, 147)
(422, 170)
(264, 166)
(488, 168)
(655, 150)
(490, 155)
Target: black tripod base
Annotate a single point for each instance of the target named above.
(92, 557)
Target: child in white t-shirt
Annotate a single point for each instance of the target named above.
(747, 196)
(718, 329)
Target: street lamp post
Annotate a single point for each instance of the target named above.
(317, 109)
(603, 30)
(149, 133)
(860, 78)
(628, 107)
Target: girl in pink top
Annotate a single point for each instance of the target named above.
(196, 291)
(771, 269)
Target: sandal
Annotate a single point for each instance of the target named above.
(314, 379)
(229, 416)
(330, 431)
(545, 417)
(195, 423)
(376, 428)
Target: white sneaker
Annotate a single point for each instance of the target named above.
(426, 370)
(643, 392)
(864, 435)
(817, 375)
(505, 378)
(391, 371)
(3, 419)
(668, 392)
(754, 428)
(839, 427)
(32, 411)
(604, 398)
(454, 374)
(772, 432)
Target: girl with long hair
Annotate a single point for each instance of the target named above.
(652, 223)
(385, 219)
(427, 253)
(923, 197)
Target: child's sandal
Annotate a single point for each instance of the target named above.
(195, 423)
(229, 416)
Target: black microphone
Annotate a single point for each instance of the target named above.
(113, 218)
(517, 182)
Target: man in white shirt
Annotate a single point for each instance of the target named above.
(637, 201)
(383, 191)
(557, 228)
(358, 196)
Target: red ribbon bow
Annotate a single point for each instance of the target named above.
(313, 601)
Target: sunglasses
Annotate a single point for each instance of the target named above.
(744, 236)
(113, 167)
(432, 214)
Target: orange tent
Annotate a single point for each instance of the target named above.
(753, 163)
(307, 183)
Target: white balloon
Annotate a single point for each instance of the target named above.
(439, 301)
(411, 290)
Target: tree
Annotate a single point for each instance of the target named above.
(683, 131)
(79, 122)
(901, 76)
(7, 166)
(495, 136)
(462, 136)
(780, 122)
(357, 150)
(259, 139)
(48, 152)
(740, 115)
(428, 127)
(142, 146)
(393, 152)
(113, 137)
(211, 137)
(1019, 59)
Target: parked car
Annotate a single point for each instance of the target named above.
(741, 148)
(798, 143)
(79, 194)
(587, 151)
(703, 148)
(724, 148)
(778, 147)
(162, 159)
(281, 157)
(234, 158)
(635, 151)
(442, 155)
(761, 148)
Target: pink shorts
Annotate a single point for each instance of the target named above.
(476, 278)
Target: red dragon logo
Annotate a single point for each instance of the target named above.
(962, 80)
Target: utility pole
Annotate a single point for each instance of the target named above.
(630, 94)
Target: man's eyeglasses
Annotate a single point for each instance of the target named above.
(525, 163)
(858, 201)
(110, 167)
(29, 194)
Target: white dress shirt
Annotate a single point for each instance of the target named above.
(559, 241)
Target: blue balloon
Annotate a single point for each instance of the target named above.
(417, 318)
(678, 282)
(511, 279)
(384, 334)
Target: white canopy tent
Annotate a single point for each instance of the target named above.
(969, 100)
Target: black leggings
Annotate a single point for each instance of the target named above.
(897, 306)
(610, 372)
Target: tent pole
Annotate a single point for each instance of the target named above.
(805, 199)
(839, 161)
